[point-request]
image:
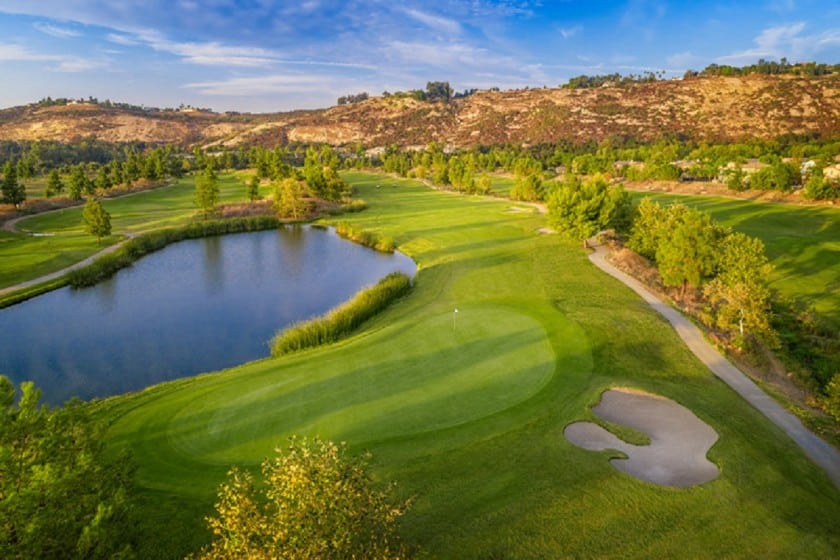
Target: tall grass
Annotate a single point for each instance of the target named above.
(343, 319)
(133, 249)
(366, 238)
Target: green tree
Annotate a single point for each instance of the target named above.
(739, 295)
(54, 184)
(207, 191)
(96, 219)
(581, 209)
(13, 191)
(288, 199)
(253, 188)
(687, 254)
(79, 182)
(61, 495)
(316, 502)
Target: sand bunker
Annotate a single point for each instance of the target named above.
(679, 440)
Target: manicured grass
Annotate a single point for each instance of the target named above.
(802, 242)
(466, 412)
(26, 257)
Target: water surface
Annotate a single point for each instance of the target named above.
(195, 306)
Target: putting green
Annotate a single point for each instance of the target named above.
(443, 370)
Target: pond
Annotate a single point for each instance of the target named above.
(195, 306)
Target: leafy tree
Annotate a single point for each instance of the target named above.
(54, 184)
(649, 228)
(253, 188)
(527, 187)
(832, 402)
(687, 255)
(13, 191)
(96, 219)
(61, 496)
(207, 191)
(79, 182)
(316, 502)
(739, 295)
(581, 209)
(288, 199)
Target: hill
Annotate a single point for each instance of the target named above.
(714, 108)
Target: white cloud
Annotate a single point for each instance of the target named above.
(784, 41)
(683, 60)
(261, 85)
(17, 53)
(119, 39)
(438, 23)
(55, 31)
(569, 32)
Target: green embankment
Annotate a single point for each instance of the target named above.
(802, 242)
(466, 411)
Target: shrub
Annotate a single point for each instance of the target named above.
(343, 319)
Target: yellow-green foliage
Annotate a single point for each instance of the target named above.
(343, 319)
(366, 238)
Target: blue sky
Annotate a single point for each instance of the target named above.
(262, 55)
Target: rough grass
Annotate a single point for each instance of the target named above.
(466, 411)
(344, 319)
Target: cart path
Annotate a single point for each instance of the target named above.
(821, 452)
(59, 273)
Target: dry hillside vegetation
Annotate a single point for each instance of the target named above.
(708, 108)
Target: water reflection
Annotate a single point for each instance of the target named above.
(195, 306)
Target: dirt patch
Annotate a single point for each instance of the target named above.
(679, 440)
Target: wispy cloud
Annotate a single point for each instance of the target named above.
(785, 41)
(120, 39)
(437, 23)
(55, 31)
(63, 63)
(261, 85)
(569, 32)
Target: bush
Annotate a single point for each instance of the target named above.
(366, 238)
(342, 320)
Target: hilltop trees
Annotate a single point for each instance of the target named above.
(61, 496)
(316, 502)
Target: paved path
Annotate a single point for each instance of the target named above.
(818, 450)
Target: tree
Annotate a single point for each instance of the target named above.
(13, 191)
(687, 254)
(79, 182)
(288, 199)
(581, 209)
(54, 184)
(96, 219)
(316, 502)
(207, 191)
(61, 495)
(739, 295)
(253, 189)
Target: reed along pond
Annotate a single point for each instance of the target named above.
(195, 306)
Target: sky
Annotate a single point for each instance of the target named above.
(266, 56)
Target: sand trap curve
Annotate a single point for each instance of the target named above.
(679, 440)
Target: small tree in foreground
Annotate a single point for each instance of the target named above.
(97, 220)
(207, 191)
(316, 503)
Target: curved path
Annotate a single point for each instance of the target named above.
(817, 449)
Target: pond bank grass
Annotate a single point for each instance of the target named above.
(343, 319)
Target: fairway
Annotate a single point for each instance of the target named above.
(802, 242)
(466, 412)
(27, 257)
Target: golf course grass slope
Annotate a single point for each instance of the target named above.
(465, 411)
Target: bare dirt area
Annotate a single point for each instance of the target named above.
(713, 188)
(679, 440)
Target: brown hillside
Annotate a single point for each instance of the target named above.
(712, 108)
